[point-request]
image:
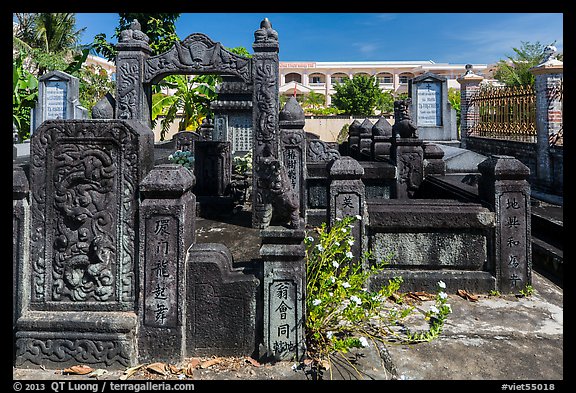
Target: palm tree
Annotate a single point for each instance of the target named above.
(50, 39)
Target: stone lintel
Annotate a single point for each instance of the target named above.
(429, 214)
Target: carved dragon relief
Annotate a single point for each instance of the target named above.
(197, 53)
(83, 251)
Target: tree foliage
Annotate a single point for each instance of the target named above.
(516, 70)
(49, 42)
(358, 96)
(159, 27)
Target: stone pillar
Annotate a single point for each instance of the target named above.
(365, 144)
(83, 283)
(20, 241)
(265, 70)
(293, 149)
(283, 253)
(167, 225)
(433, 160)
(549, 86)
(354, 139)
(348, 198)
(504, 187)
(406, 152)
(213, 167)
(381, 140)
(469, 86)
(133, 98)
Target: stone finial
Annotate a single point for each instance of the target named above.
(105, 108)
(292, 112)
(550, 53)
(354, 128)
(366, 127)
(265, 33)
(469, 68)
(382, 128)
(134, 33)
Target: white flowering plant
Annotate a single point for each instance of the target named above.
(341, 313)
(242, 164)
(184, 158)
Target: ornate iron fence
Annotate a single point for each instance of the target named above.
(505, 113)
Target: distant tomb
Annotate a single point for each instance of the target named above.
(58, 98)
(434, 117)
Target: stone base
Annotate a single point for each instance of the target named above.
(427, 280)
(63, 339)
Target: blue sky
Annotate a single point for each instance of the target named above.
(480, 38)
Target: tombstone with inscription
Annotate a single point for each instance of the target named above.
(433, 114)
(58, 94)
(233, 114)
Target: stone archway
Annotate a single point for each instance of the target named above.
(137, 71)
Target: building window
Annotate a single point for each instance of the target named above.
(293, 77)
(385, 79)
(404, 79)
(316, 79)
(338, 78)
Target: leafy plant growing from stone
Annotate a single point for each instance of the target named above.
(341, 313)
(242, 164)
(184, 158)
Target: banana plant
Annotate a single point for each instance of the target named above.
(187, 98)
(24, 97)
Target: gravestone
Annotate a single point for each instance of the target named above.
(233, 114)
(58, 98)
(221, 304)
(431, 109)
(81, 278)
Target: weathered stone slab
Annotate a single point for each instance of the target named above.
(221, 304)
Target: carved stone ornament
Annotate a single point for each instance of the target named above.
(84, 177)
(265, 33)
(403, 125)
(197, 54)
(318, 150)
(133, 33)
(278, 194)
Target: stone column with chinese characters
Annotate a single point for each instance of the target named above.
(348, 198)
(283, 253)
(503, 185)
(265, 101)
(167, 222)
(293, 148)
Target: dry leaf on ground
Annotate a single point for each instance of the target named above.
(130, 371)
(210, 362)
(78, 370)
(158, 367)
(253, 362)
(467, 296)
